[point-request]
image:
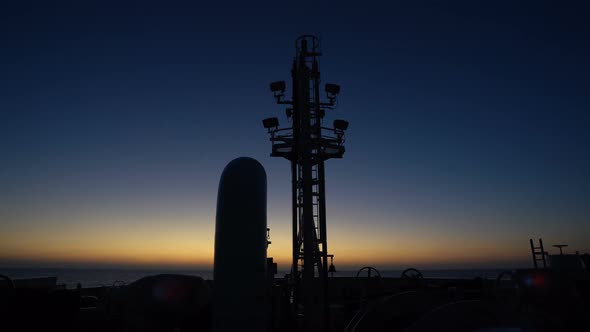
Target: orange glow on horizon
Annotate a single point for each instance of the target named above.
(185, 250)
(187, 243)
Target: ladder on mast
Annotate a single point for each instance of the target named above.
(538, 251)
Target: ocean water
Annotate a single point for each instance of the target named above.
(109, 277)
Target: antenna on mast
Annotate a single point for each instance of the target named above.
(307, 144)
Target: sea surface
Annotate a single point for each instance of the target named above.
(108, 277)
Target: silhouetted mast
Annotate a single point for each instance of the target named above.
(307, 144)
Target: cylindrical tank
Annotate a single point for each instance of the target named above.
(240, 286)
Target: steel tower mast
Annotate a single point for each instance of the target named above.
(307, 145)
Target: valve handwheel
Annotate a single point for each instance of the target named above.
(412, 273)
(369, 269)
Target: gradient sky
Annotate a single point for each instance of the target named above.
(468, 128)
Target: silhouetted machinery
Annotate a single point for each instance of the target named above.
(307, 144)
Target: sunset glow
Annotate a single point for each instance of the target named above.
(468, 131)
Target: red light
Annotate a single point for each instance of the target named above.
(169, 291)
(538, 280)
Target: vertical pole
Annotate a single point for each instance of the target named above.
(305, 163)
(296, 280)
(321, 193)
(295, 220)
(324, 240)
(533, 252)
(542, 252)
(295, 177)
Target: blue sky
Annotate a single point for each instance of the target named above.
(468, 126)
